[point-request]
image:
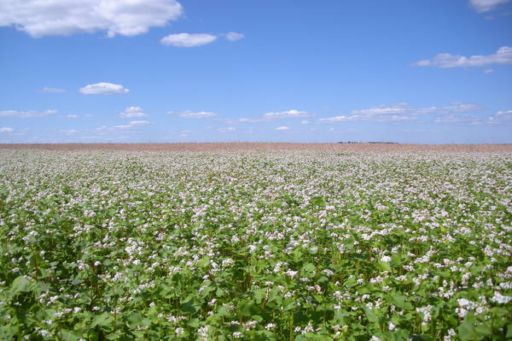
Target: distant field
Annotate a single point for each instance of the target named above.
(306, 242)
(325, 147)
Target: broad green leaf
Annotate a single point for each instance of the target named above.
(20, 284)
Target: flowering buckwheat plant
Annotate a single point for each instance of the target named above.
(250, 245)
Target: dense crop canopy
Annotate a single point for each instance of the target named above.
(290, 245)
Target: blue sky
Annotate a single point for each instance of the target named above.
(426, 71)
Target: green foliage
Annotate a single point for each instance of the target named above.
(275, 246)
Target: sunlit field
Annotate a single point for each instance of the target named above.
(297, 244)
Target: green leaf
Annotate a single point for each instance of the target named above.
(68, 335)
(317, 201)
(102, 320)
(350, 282)
(466, 330)
(309, 269)
(400, 301)
(203, 262)
(134, 319)
(20, 284)
(259, 295)
(317, 337)
(371, 316)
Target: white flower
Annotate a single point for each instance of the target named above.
(328, 272)
(270, 326)
(385, 259)
(291, 273)
(425, 312)
(203, 332)
(227, 262)
(500, 299)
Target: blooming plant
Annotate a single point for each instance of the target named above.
(249, 245)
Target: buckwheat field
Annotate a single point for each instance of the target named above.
(289, 245)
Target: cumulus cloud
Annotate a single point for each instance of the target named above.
(50, 90)
(104, 88)
(276, 115)
(196, 114)
(188, 39)
(338, 118)
(283, 128)
(65, 17)
(446, 60)
(293, 113)
(503, 116)
(395, 112)
(234, 36)
(486, 5)
(401, 112)
(26, 114)
(132, 112)
(6, 130)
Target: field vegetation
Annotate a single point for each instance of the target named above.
(304, 245)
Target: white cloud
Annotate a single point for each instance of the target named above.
(234, 36)
(132, 124)
(72, 116)
(6, 130)
(400, 112)
(283, 128)
(458, 118)
(196, 114)
(446, 60)
(188, 39)
(65, 17)
(293, 113)
(486, 5)
(339, 118)
(395, 112)
(50, 90)
(276, 115)
(504, 116)
(26, 114)
(129, 125)
(132, 112)
(104, 88)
